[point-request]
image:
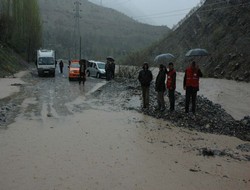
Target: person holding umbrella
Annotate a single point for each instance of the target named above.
(145, 77)
(191, 85)
(82, 69)
(160, 87)
(171, 85)
(109, 67)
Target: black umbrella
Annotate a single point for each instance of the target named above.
(197, 52)
(164, 58)
(110, 58)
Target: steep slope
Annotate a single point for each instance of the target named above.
(104, 31)
(10, 62)
(220, 26)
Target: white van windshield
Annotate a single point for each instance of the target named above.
(46, 61)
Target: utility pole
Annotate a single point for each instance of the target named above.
(77, 34)
(80, 57)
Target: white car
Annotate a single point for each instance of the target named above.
(96, 69)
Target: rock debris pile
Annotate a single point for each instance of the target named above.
(209, 118)
(5, 113)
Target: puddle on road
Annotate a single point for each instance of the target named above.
(96, 87)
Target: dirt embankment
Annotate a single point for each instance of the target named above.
(10, 87)
(11, 62)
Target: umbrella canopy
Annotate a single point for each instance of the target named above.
(164, 58)
(110, 58)
(197, 52)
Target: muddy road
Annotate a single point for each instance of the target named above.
(64, 137)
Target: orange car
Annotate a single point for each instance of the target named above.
(74, 70)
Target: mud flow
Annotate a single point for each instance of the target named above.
(95, 136)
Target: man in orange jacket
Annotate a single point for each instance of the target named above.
(191, 85)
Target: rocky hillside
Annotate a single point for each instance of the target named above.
(10, 62)
(220, 26)
(104, 31)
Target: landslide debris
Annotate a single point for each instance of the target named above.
(209, 118)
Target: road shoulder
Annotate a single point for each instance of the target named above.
(11, 85)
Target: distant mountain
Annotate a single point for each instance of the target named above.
(104, 31)
(222, 27)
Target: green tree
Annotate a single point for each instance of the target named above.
(23, 28)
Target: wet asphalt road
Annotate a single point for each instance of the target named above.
(47, 97)
(53, 94)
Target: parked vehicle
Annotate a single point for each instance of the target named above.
(45, 62)
(74, 70)
(96, 69)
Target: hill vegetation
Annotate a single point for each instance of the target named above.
(222, 27)
(20, 34)
(20, 26)
(103, 31)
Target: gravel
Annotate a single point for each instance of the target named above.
(209, 117)
(5, 113)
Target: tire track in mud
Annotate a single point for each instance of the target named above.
(45, 97)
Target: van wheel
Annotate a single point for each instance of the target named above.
(98, 75)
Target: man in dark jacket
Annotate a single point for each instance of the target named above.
(145, 77)
(191, 85)
(61, 66)
(160, 87)
(82, 71)
(108, 70)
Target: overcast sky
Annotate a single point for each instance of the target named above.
(156, 12)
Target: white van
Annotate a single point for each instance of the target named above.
(45, 62)
(96, 69)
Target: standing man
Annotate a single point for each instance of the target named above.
(61, 66)
(191, 85)
(160, 87)
(171, 85)
(145, 77)
(82, 69)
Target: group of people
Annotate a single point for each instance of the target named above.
(190, 85)
(109, 69)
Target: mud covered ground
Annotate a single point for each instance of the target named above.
(209, 118)
(57, 134)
